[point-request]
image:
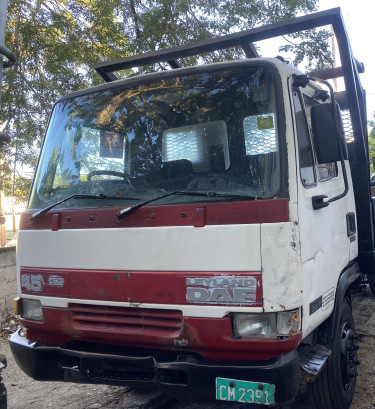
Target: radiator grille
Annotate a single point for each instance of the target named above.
(119, 319)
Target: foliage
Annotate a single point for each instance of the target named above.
(313, 47)
(58, 42)
(19, 190)
(154, 25)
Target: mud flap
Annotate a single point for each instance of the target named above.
(312, 360)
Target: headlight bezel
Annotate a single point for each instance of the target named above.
(270, 325)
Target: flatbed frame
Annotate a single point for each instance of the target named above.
(353, 99)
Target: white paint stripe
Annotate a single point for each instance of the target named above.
(172, 248)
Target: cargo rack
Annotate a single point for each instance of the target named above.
(351, 100)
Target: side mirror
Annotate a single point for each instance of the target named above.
(325, 132)
(4, 138)
(329, 137)
(2, 220)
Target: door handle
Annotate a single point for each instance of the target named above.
(318, 202)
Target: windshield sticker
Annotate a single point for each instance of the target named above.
(265, 122)
(260, 134)
(111, 145)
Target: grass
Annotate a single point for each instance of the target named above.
(10, 235)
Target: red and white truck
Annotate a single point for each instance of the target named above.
(200, 230)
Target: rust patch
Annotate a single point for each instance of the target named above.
(100, 293)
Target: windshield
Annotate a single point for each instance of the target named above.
(206, 132)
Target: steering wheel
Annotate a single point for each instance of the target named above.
(110, 173)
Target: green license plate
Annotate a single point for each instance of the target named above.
(232, 390)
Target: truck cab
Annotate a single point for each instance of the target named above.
(195, 230)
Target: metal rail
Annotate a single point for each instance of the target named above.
(354, 97)
(244, 39)
(11, 58)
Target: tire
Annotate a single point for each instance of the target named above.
(335, 385)
(371, 281)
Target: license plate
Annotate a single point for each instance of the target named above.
(233, 390)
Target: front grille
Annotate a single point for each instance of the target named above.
(125, 320)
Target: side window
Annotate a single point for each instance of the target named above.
(326, 171)
(306, 157)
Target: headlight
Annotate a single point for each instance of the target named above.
(32, 309)
(283, 324)
(254, 325)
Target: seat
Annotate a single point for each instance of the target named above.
(176, 173)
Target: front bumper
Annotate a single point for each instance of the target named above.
(180, 374)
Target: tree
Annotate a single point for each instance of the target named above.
(154, 25)
(57, 43)
(371, 141)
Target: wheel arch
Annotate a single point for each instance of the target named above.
(346, 281)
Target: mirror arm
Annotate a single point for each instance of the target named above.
(345, 177)
(318, 202)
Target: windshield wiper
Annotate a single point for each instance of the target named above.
(126, 211)
(36, 216)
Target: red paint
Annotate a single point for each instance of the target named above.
(160, 287)
(200, 217)
(56, 220)
(243, 212)
(210, 337)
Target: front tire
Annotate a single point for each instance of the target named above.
(335, 385)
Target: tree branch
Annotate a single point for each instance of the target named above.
(135, 19)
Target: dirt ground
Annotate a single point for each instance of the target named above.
(24, 392)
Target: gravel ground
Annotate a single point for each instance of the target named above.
(24, 392)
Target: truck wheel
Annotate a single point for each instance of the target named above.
(335, 385)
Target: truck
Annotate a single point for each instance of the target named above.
(200, 230)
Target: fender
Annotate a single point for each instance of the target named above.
(351, 273)
(326, 331)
